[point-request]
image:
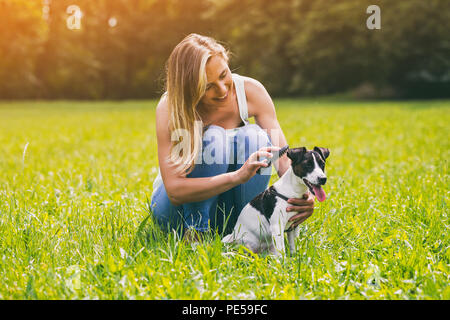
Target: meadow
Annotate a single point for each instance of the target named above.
(75, 221)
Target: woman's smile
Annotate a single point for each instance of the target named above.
(223, 98)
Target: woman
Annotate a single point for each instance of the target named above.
(205, 110)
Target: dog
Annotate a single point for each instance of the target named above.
(262, 222)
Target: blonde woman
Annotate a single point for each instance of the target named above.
(208, 151)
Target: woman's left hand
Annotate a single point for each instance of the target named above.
(304, 207)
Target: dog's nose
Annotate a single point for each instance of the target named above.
(323, 180)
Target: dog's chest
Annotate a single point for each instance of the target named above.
(280, 216)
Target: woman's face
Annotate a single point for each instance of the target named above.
(219, 82)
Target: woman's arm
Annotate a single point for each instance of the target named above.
(181, 189)
(265, 116)
(263, 110)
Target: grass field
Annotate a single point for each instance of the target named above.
(76, 178)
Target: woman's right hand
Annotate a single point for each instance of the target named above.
(249, 168)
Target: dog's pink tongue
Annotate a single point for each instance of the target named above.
(320, 194)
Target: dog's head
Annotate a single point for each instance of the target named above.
(310, 167)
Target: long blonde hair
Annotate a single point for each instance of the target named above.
(185, 85)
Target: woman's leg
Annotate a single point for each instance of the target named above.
(215, 158)
(249, 139)
(215, 161)
(224, 215)
(165, 213)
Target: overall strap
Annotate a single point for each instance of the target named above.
(242, 99)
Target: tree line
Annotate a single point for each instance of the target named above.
(294, 47)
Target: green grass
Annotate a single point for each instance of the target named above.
(74, 208)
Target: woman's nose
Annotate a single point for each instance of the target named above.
(222, 89)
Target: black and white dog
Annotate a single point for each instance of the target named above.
(262, 222)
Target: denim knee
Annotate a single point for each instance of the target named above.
(164, 212)
(250, 138)
(214, 155)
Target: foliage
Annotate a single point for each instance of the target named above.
(294, 47)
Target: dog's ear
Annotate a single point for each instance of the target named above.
(324, 152)
(296, 154)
